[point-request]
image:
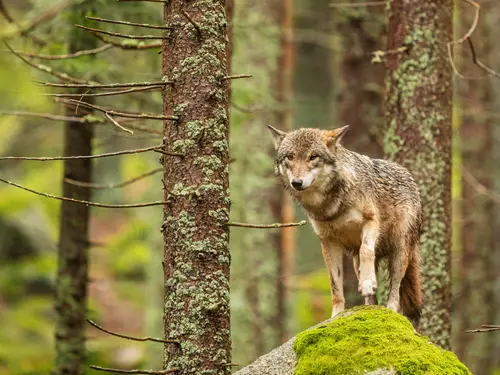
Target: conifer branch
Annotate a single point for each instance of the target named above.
(484, 328)
(192, 22)
(146, 25)
(112, 186)
(109, 93)
(356, 5)
(88, 52)
(96, 156)
(88, 203)
(120, 35)
(267, 226)
(105, 86)
(114, 122)
(49, 70)
(149, 338)
(240, 76)
(146, 1)
(128, 44)
(121, 114)
(49, 116)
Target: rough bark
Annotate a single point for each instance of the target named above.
(72, 259)
(418, 135)
(196, 237)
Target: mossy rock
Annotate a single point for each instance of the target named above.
(370, 340)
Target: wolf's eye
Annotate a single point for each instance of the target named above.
(289, 157)
(313, 157)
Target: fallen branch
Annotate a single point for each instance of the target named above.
(153, 372)
(96, 156)
(120, 35)
(69, 55)
(105, 20)
(149, 338)
(88, 203)
(112, 186)
(267, 226)
(104, 86)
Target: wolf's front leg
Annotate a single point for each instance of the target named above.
(367, 274)
(333, 255)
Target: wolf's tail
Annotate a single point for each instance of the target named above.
(410, 293)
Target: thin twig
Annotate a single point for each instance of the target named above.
(69, 55)
(30, 25)
(160, 27)
(109, 93)
(47, 116)
(379, 54)
(169, 153)
(8, 17)
(117, 124)
(96, 156)
(149, 338)
(147, 1)
(490, 71)
(95, 204)
(120, 35)
(237, 77)
(105, 86)
(479, 187)
(128, 44)
(112, 186)
(355, 5)
(152, 372)
(49, 70)
(267, 226)
(144, 129)
(121, 114)
(192, 22)
(484, 328)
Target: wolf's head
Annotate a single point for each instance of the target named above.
(306, 157)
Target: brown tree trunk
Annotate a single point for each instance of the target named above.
(72, 273)
(418, 135)
(196, 236)
(283, 208)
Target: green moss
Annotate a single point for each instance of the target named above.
(370, 338)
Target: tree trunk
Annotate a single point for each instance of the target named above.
(418, 135)
(196, 236)
(282, 204)
(72, 273)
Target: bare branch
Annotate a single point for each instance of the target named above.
(128, 44)
(105, 86)
(484, 328)
(110, 93)
(83, 120)
(237, 77)
(160, 151)
(479, 187)
(147, 1)
(69, 55)
(30, 25)
(160, 27)
(153, 372)
(355, 5)
(94, 204)
(96, 156)
(149, 338)
(127, 36)
(117, 124)
(5, 13)
(49, 70)
(112, 186)
(192, 22)
(267, 226)
(144, 129)
(488, 70)
(121, 114)
(379, 54)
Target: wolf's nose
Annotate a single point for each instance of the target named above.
(297, 183)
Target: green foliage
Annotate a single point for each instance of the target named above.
(370, 338)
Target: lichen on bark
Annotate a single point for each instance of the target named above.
(418, 136)
(196, 237)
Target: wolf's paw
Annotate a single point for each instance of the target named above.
(368, 287)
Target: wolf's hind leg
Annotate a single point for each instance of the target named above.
(333, 255)
(367, 275)
(398, 263)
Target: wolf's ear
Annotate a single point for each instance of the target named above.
(334, 136)
(277, 135)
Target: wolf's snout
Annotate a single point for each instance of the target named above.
(297, 183)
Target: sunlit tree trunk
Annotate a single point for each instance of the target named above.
(418, 135)
(72, 273)
(196, 237)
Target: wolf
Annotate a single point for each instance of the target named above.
(368, 209)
